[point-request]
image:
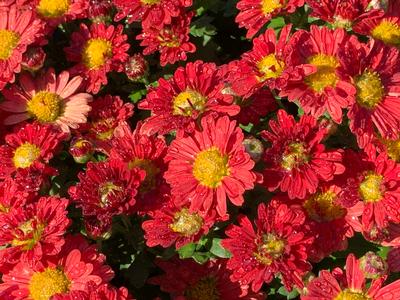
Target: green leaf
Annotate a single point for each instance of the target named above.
(277, 23)
(218, 250)
(187, 251)
(137, 95)
(201, 257)
(202, 27)
(292, 295)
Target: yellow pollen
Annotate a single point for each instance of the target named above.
(393, 149)
(387, 32)
(96, 52)
(372, 189)
(8, 41)
(270, 249)
(186, 223)
(351, 295)
(167, 38)
(53, 8)
(206, 288)
(25, 155)
(294, 156)
(321, 207)
(31, 236)
(326, 72)
(150, 2)
(269, 6)
(270, 67)
(186, 102)
(151, 169)
(370, 90)
(106, 190)
(104, 128)
(45, 107)
(210, 167)
(44, 285)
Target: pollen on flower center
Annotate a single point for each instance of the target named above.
(206, 288)
(210, 167)
(371, 188)
(370, 90)
(31, 235)
(294, 156)
(270, 67)
(186, 223)
(150, 2)
(321, 207)
(45, 106)
(44, 285)
(151, 169)
(96, 52)
(388, 32)
(270, 249)
(168, 39)
(106, 191)
(269, 6)
(351, 295)
(393, 149)
(53, 9)
(25, 155)
(326, 72)
(185, 103)
(8, 41)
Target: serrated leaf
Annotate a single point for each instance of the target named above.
(137, 95)
(202, 27)
(218, 250)
(187, 251)
(292, 295)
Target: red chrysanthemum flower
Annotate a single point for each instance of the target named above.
(297, 161)
(351, 285)
(279, 244)
(30, 232)
(77, 267)
(187, 280)
(177, 102)
(254, 14)
(106, 189)
(12, 196)
(97, 50)
(152, 13)
(104, 292)
(210, 165)
(31, 146)
(317, 84)
(47, 98)
(18, 30)
(172, 40)
(386, 29)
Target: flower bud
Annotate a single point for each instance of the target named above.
(81, 150)
(136, 67)
(33, 59)
(372, 265)
(254, 148)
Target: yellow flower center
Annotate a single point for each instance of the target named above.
(150, 2)
(393, 149)
(371, 189)
(8, 41)
(45, 106)
(326, 72)
(151, 169)
(34, 235)
(210, 167)
(387, 32)
(370, 90)
(206, 288)
(270, 67)
(351, 295)
(294, 156)
(270, 249)
(269, 6)
(25, 155)
(53, 8)
(168, 38)
(106, 190)
(321, 207)
(104, 128)
(186, 223)
(186, 102)
(44, 285)
(96, 52)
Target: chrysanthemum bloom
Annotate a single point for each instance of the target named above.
(254, 14)
(106, 189)
(386, 29)
(210, 165)
(152, 13)
(49, 99)
(297, 161)
(33, 59)
(30, 232)
(193, 91)
(172, 40)
(75, 268)
(350, 285)
(12, 196)
(18, 30)
(185, 279)
(32, 145)
(279, 244)
(97, 51)
(321, 87)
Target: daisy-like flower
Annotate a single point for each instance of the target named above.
(297, 161)
(177, 102)
(31, 146)
(18, 30)
(48, 99)
(152, 13)
(12, 196)
(317, 84)
(30, 232)
(171, 41)
(97, 51)
(254, 14)
(106, 189)
(278, 244)
(77, 267)
(384, 28)
(350, 285)
(210, 165)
